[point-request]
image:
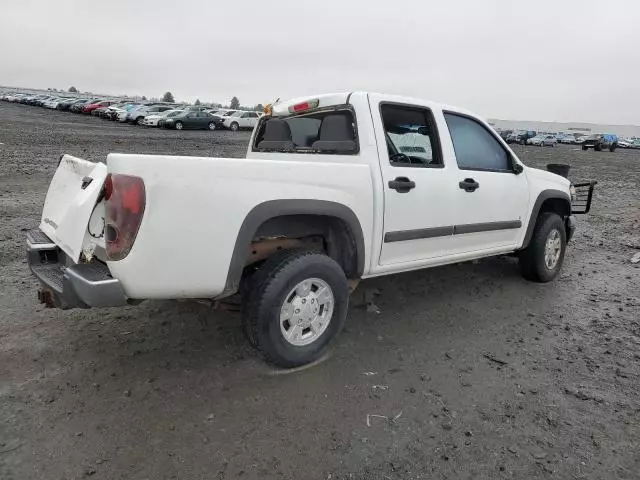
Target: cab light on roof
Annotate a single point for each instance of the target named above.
(304, 106)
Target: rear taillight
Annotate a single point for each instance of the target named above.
(125, 200)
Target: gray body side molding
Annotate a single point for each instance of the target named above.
(544, 195)
(277, 208)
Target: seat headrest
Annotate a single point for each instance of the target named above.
(277, 136)
(336, 134)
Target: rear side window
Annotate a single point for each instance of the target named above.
(325, 132)
(475, 147)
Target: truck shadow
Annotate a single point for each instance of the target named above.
(434, 304)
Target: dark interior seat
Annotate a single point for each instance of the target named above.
(336, 134)
(277, 136)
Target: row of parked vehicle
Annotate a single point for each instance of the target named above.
(597, 141)
(155, 114)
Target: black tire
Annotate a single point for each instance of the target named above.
(612, 148)
(179, 126)
(532, 259)
(523, 142)
(597, 148)
(267, 291)
(212, 126)
(139, 120)
(234, 127)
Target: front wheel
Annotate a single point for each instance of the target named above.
(296, 303)
(179, 126)
(543, 257)
(234, 127)
(212, 126)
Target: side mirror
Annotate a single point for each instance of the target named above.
(517, 168)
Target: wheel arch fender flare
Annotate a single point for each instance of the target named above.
(271, 209)
(552, 195)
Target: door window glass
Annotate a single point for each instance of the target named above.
(475, 147)
(411, 136)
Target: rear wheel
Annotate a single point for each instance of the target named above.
(179, 126)
(296, 303)
(139, 120)
(612, 148)
(212, 126)
(597, 147)
(542, 259)
(234, 127)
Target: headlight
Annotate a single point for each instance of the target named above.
(572, 192)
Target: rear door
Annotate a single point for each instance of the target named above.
(491, 199)
(68, 215)
(416, 184)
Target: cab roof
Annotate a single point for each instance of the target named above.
(282, 108)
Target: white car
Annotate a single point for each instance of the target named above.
(329, 193)
(152, 120)
(543, 140)
(241, 119)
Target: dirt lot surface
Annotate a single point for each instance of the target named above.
(468, 371)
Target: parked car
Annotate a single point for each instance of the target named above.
(153, 120)
(318, 203)
(137, 114)
(93, 106)
(543, 141)
(240, 119)
(600, 141)
(66, 105)
(629, 143)
(191, 120)
(520, 136)
(77, 107)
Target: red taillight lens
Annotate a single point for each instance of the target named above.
(125, 200)
(108, 187)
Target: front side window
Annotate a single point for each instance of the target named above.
(411, 136)
(475, 147)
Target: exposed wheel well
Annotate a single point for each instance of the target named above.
(548, 201)
(315, 232)
(557, 205)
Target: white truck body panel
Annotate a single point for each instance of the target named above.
(68, 208)
(195, 206)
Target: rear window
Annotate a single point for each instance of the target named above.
(326, 132)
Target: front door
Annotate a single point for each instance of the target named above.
(417, 196)
(491, 199)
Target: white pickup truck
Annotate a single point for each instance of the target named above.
(333, 189)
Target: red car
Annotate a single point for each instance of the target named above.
(92, 106)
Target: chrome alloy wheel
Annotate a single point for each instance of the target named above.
(306, 312)
(552, 249)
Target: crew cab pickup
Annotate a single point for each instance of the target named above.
(333, 189)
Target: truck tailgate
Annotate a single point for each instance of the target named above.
(70, 216)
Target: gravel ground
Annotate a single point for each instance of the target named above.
(469, 371)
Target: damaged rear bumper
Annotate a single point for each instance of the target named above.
(68, 285)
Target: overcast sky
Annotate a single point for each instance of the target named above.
(561, 60)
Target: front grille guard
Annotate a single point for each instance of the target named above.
(584, 193)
